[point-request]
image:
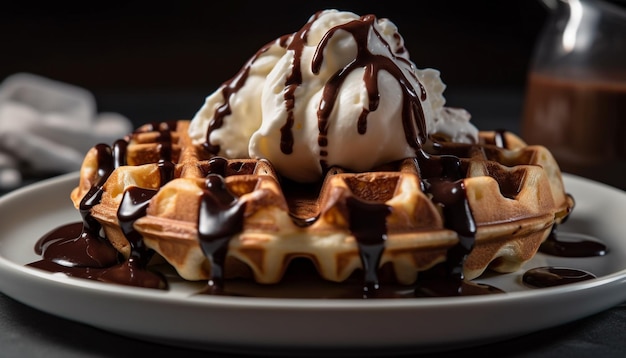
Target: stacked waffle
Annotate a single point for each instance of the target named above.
(213, 218)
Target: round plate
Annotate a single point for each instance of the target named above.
(280, 325)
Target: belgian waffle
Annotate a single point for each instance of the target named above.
(213, 218)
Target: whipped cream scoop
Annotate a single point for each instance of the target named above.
(341, 91)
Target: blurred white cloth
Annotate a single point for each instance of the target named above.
(48, 126)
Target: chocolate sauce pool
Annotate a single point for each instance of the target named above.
(81, 250)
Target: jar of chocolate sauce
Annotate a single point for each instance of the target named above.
(575, 101)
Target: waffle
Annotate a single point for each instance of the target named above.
(213, 218)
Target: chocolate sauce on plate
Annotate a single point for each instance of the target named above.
(550, 276)
(80, 249)
(572, 245)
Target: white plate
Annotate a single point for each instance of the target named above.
(287, 325)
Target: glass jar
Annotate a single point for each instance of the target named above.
(575, 101)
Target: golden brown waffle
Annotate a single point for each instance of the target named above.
(212, 218)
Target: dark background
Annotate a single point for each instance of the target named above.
(173, 54)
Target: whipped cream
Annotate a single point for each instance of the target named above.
(341, 91)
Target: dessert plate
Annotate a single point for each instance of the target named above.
(181, 317)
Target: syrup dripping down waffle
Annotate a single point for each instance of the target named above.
(467, 207)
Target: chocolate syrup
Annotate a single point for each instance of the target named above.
(443, 179)
(164, 139)
(61, 247)
(133, 206)
(71, 245)
(220, 217)
(119, 151)
(554, 276)
(572, 246)
(368, 225)
(231, 87)
(412, 113)
(79, 250)
(65, 251)
(564, 245)
(292, 82)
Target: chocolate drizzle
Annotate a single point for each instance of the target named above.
(231, 87)
(119, 152)
(133, 206)
(368, 225)
(412, 113)
(220, 217)
(292, 82)
(133, 271)
(443, 179)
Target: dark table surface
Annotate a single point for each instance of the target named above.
(26, 332)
